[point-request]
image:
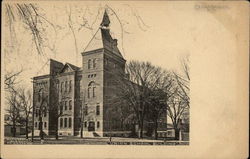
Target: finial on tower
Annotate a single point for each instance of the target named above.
(105, 19)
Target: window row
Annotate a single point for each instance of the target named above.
(65, 122)
(92, 63)
(44, 124)
(66, 105)
(42, 113)
(41, 83)
(97, 110)
(66, 86)
(91, 75)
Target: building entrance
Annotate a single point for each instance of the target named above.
(91, 126)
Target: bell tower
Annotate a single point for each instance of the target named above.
(102, 63)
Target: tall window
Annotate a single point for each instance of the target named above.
(70, 104)
(36, 112)
(97, 110)
(45, 112)
(66, 86)
(70, 85)
(45, 124)
(61, 122)
(61, 108)
(98, 124)
(65, 122)
(89, 64)
(62, 86)
(40, 95)
(70, 122)
(35, 124)
(94, 63)
(91, 89)
(66, 105)
(86, 110)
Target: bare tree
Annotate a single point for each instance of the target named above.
(176, 107)
(159, 96)
(10, 79)
(33, 20)
(13, 111)
(136, 90)
(183, 81)
(26, 107)
(180, 102)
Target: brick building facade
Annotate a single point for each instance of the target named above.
(80, 98)
(71, 100)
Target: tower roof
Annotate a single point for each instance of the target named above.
(105, 19)
(103, 39)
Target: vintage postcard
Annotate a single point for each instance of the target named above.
(124, 79)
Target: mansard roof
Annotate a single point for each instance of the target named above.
(102, 38)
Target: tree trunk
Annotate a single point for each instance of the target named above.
(27, 128)
(81, 130)
(41, 127)
(156, 127)
(177, 131)
(32, 133)
(56, 133)
(141, 129)
(14, 128)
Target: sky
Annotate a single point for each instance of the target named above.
(160, 33)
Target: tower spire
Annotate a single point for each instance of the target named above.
(105, 19)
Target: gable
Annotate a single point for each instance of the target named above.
(66, 68)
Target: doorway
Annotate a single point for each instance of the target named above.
(91, 126)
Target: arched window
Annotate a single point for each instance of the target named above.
(36, 112)
(89, 64)
(44, 112)
(91, 89)
(98, 124)
(70, 104)
(86, 109)
(66, 86)
(97, 110)
(61, 87)
(70, 86)
(61, 122)
(65, 122)
(40, 95)
(70, 122)
(94, 63)
(61, 107)
(66, 105)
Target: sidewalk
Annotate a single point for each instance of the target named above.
(92, 141)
